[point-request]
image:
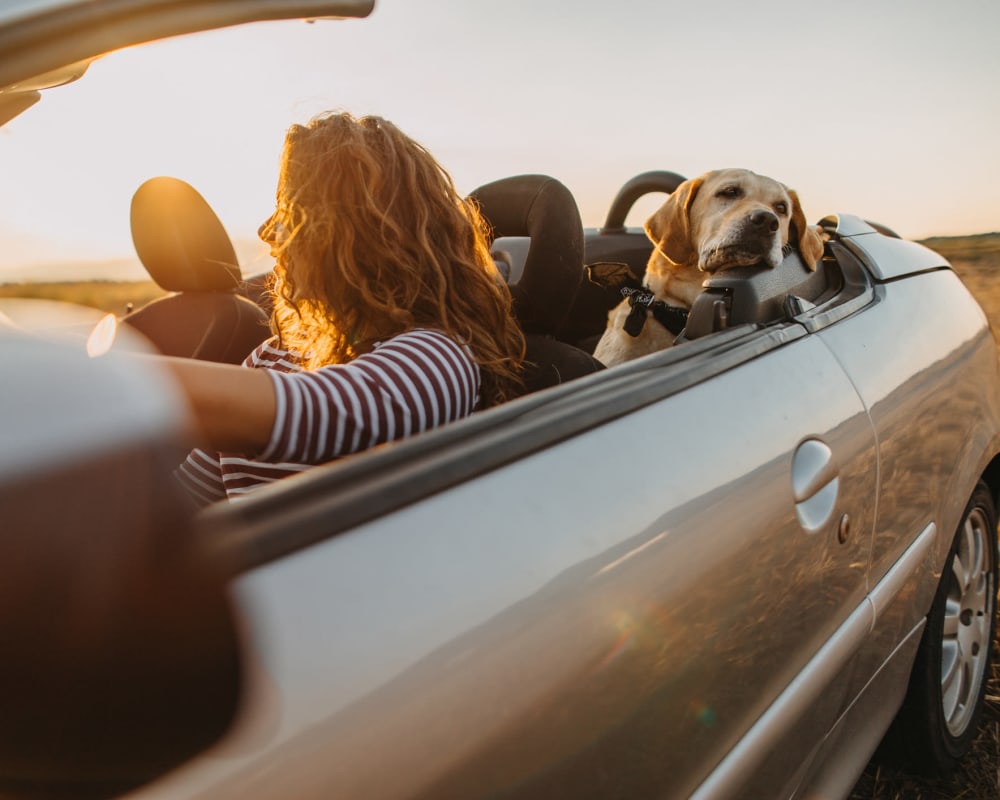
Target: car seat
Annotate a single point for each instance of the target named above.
(186, 250)
(543, 209)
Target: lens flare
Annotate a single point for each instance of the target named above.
(102, 336)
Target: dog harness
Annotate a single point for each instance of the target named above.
(673, 318)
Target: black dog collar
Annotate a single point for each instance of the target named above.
(673, 318)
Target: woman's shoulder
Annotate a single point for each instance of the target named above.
(270, 355)
(424, 348)
(424, 338)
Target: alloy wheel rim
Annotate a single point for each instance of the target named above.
(968, 613)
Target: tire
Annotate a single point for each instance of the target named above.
(941, 713)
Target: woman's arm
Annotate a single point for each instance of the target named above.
(413, 382)
(416, 381)
(233, 407)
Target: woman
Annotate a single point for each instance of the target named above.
(389, 315)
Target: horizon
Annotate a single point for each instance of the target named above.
(131, 270)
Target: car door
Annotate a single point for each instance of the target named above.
(609, 590)
(919, 365)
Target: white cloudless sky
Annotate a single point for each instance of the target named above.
(882, 108)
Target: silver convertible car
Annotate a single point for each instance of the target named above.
(735, 568)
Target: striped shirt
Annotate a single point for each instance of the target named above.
(413, 382)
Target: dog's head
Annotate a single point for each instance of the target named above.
(731, 218)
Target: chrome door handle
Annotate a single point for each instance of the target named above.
(815, 484)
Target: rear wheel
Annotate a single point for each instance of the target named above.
(941, 713)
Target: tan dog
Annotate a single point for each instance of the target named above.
(726, 218)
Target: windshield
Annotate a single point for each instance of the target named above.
(592, 97)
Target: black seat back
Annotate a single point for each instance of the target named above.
(543, 209)
(187, 251)
(209, 326)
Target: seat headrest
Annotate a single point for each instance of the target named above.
(543, 209)
(180, 240)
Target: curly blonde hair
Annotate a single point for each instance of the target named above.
(371, 239)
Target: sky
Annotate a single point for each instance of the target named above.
(885, 109)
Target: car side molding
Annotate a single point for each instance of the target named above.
(733, 772)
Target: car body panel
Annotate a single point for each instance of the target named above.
(928, 356)
(568, 593)
(40, 435)
(760, 762)
(847, 749)
(886, 256)
(890, 258)
(110, 615)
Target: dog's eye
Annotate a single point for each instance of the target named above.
(781, 208)
(729, 192)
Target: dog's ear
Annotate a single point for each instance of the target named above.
(810, 242)
(670, 226)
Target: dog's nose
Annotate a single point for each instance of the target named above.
(762, 218)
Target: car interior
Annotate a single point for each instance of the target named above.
(557, 271)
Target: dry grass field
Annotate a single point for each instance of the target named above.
(977, 261)
(110, 296)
